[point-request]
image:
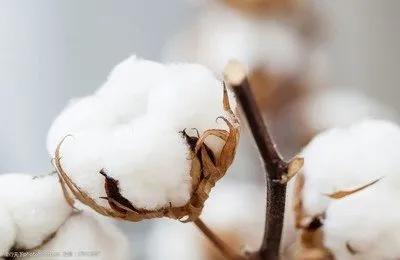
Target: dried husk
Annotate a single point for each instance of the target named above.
(310, 236)
(206, 170)
(309, 245)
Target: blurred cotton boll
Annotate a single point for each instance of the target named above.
(36, 206)
(8, 230)
(222, 34)
(86, 235)
(36, 220)
(323, 109)
(234, 211)
(338, 107)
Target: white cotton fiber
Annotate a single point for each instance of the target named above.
(130, 128)
(87, 236)
(348, 158)
(36, 205)
(7, 230)
(365, 225)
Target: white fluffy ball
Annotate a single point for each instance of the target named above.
(130, 129)
(365, 225)
(347, 158)
(36, 205)
(7, 230)
(87, 236)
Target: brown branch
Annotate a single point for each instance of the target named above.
(277, 170)
(217, 242)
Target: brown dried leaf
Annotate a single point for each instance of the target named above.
(343, 194)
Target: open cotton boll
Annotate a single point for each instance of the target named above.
(341, 107)
(140, 152)
(37, 207)
(87, 236)
(364, 225)
(347, 158)
(147, 158)
(7, 231)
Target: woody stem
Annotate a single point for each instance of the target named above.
(274, 165)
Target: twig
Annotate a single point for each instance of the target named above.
(277, 170)
(218, 243)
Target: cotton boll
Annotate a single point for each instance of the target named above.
(7, 230)
(341, 107)
(365, 223)
(87, 236)
(37, 207)
(222, 34)
(139, 143)
(348, 158)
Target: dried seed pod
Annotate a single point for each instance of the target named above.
(145, 167)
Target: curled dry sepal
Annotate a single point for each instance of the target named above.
(123, 173)
(345, 197)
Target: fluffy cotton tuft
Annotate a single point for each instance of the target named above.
(7, 230)
(364, 225)
(87, 236)
(348, 158)
(130, 129)
(36, 206)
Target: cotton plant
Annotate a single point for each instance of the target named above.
(344, 198)
(36, 220)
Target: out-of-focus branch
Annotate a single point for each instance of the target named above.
(217, 242)
(278, 172)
